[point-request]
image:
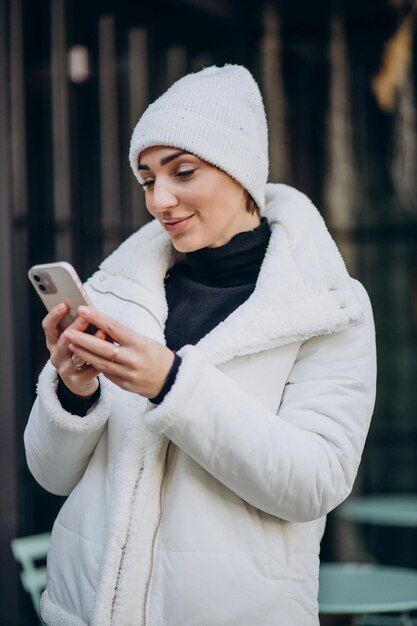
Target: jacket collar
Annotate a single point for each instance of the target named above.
(303, 289)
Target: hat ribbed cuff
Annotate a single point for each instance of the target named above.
(204, 138)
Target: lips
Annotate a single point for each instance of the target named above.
(177, 224)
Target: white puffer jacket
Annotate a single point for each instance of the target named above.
(208, 510)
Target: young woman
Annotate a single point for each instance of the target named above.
(221, 410)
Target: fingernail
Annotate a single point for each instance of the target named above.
(60, 307)
(68, 335)
(83, 310)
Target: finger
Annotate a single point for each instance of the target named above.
(61, 348)
(78, 379)
(50, 322)
(66, 367)
(98, 362)
(86, 374)
(94, 345)
(71, 362)
(76, 362)
(80, 323)
(115, 330)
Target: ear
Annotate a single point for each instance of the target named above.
(251, 205)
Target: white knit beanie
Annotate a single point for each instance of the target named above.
(216, 114)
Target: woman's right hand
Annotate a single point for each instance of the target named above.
(83, 382)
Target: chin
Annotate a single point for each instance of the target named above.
(186, 246)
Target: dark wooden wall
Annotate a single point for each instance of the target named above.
(66, 190)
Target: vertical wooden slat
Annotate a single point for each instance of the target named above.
(138, 101)
(17, 114)
(8, 492)
(176, 63)
(274, 96)
(109, 135)
(20, 209)
(342, 182)
(60, 133)
(404, 158)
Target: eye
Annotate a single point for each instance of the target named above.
(185, 173)
(147, 184)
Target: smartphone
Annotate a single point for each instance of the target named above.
(59, 282)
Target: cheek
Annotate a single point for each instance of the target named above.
(213, 216)
(216, 209)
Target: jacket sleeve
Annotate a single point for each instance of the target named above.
(58, 444)
(297, 464)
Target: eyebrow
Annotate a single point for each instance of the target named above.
(165, 160)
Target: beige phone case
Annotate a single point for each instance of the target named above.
(59, 282)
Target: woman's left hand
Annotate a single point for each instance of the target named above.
(133, 362)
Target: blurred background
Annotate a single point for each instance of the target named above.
(339, 85)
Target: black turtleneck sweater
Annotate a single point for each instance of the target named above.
(207, 286)
(202, 290)
(210, 284)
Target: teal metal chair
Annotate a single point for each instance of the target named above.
(367, 590)
(28, 551)
(381, 509)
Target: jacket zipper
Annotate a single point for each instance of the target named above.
(123, 549)
(154, 536)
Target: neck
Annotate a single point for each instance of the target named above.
(252, 221)
(236, 262)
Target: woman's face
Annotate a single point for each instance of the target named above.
(198, 205)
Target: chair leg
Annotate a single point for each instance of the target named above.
(406, 620)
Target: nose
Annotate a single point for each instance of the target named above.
(163, 197)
